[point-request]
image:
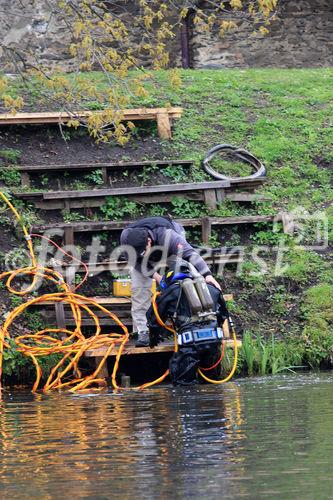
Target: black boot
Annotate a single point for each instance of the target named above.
(143, 339)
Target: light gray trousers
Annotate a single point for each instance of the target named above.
(141, 299)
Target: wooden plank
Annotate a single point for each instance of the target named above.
(63, 117)
(60, 317)
(123, 267)
(163, 125)
(90, 226)
(248, 183)
(105, 176)
(210, 199)
(104, 372)
(226, 330)
(25, 180)
(111, 301)
(206, 229)
(96, 166)
(163, 188)
(69, 235)
(97, 202)
(220, 195)
(250, 197)
(115, 301)
(130, 349)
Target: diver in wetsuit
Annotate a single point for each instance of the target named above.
(197, 311)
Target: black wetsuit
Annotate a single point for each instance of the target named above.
(185, 363)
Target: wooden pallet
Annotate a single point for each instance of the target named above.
(212, 193)
(69, 230)
(105, 168)
(163, 116)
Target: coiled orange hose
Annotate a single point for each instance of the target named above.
(73, 344)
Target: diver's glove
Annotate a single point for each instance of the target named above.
(154, 337)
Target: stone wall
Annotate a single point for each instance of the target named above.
(302, 36)
(31, 27)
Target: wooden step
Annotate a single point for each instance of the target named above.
(163, 116)
(122, 267)
(130, 349)
(105, 168)
(114, 301)
(206, 223)
(212, 193)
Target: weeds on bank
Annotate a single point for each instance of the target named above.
(259, 356)
(10, 177)
(317, 310)
(10, 155)
(18, 368)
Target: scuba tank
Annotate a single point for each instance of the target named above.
(204, 294)
(192, 296)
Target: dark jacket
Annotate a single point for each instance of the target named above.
(171, 236)
(166, 306)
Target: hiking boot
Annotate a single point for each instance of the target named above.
(143, 339)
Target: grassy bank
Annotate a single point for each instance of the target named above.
(285, 118)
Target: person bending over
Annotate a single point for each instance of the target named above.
(151, 239)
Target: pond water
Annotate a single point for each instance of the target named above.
(251, 438)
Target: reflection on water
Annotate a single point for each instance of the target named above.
(255, 438)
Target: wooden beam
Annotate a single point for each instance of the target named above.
(25, 180)
(123, 267)
(97, 202)
(161, 115)
(247, 197)
(60, 317)
(163, 125)
(69, 235)
(206, 229)
(64, 117)
(163, 188)
(104, 372)
(114, 301)
(210, 199)
(130, 349)
(91, 226)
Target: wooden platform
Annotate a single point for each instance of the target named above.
(212, 193)
(206, 223)
(163, 116)
(130, 349)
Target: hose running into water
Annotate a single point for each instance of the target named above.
(72, 344)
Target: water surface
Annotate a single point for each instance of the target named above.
(252, 438)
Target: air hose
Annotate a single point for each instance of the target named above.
(239, 153)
